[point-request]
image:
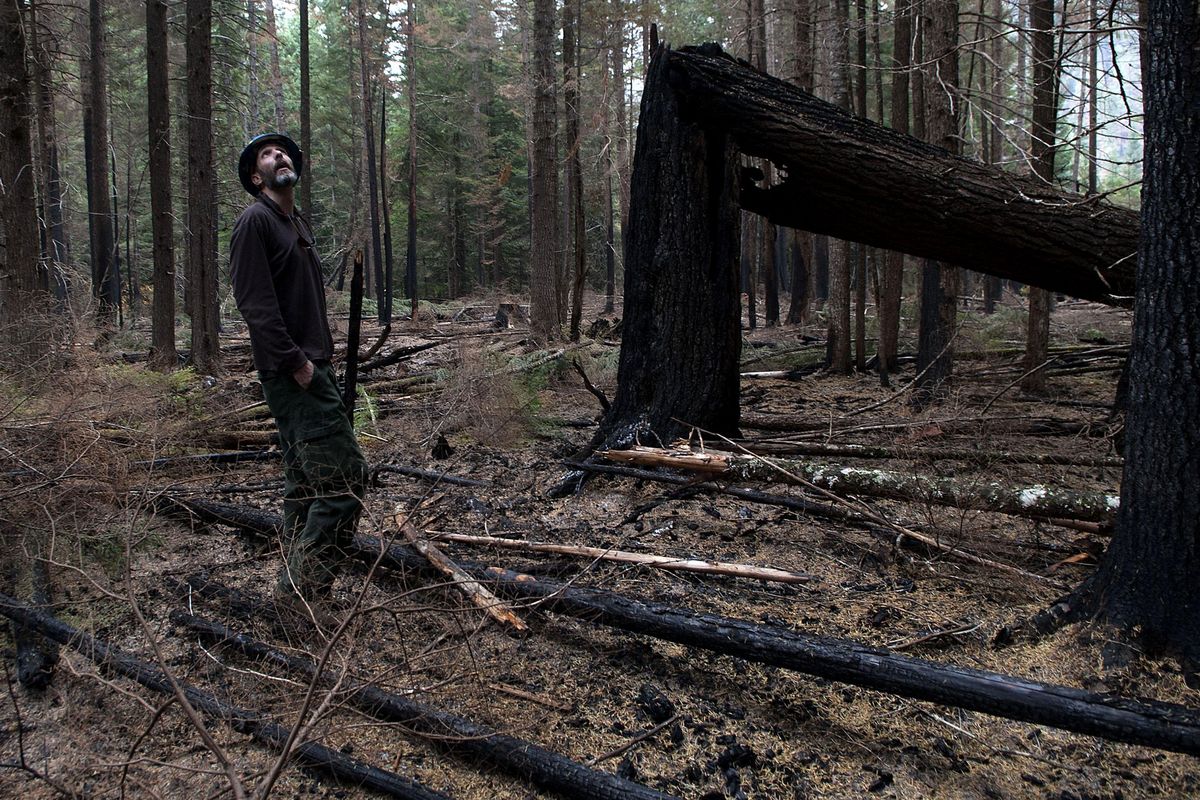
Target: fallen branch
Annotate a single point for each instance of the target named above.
(1024, 501)
(474, 591)
(429, 475)
(659, 562)
(344, 768)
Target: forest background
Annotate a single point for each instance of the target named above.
(437, 188)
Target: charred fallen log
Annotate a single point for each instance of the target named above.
(1151, 723)
(855, 179)
(462, 737)
(312, 754)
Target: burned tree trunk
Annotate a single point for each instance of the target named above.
(852, 178)
(680, 367)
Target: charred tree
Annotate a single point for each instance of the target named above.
(1149, 580)
(683, 332)
(854, 178)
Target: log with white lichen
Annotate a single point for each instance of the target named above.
(962, 492)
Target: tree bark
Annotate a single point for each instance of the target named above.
(545, 276)
(572, 19)
(851, 177)
(306, 117)
(163, 355)
(367, 89)
(679, 364)
(1041, 153)
(938, 22)
(19, 282)
(410, 253)
(104, 287)
(202, 190)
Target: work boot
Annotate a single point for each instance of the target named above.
(300, 616)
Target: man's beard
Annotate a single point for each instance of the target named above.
(280, 179)
(284, 179)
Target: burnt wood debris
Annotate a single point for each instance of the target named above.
(458, 736)
(1156, 724)
(311, 754)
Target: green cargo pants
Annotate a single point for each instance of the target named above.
(325, 478)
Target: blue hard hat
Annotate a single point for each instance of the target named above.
(250, 155)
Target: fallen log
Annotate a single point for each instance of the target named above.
(1146, 722)
(459, 736)
(397, 355)
(926, 454)
(1034, 426)
(317, 756)
(848, 177)
(650, 560)
(1151, 723)
(1024, 501)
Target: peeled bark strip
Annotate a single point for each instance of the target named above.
(857, 180)
(317, 756)
(1154, 724)
(547, 770)
(1022, 501)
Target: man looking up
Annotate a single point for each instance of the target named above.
(280, 290)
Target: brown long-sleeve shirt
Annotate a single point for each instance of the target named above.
(279, 288)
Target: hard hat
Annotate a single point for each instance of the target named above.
(246, 162)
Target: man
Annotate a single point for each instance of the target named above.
(280, 290)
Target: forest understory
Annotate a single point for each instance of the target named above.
(96, 445)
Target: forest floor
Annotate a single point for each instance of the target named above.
(735, 728)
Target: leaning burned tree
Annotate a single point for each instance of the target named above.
(842, 176)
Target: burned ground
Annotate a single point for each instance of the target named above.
(510, 415)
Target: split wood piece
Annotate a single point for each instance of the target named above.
(659, 562)
(430, 475)
(982, 457)
(1167, 726)
(848, 177)
(474, 591)
(1023, 501)
(342, 767)
(462, 737)
(1154, 724)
